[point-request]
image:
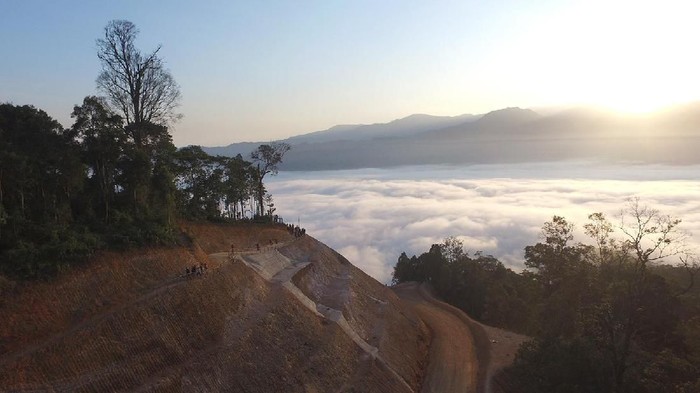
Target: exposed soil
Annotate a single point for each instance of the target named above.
(465, 355)
(453, 364)
(132, 322)
(503, 347)
(371, 310)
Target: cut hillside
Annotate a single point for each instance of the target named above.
(371, 309)
(131, 322)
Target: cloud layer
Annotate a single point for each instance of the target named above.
(371, 216)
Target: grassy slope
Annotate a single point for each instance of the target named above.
(127, 322)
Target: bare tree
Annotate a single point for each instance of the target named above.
(650, 235)
(266, 159)
(137, 85)
(647, 237)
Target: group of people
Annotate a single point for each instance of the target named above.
(196, 269)
(295, 230)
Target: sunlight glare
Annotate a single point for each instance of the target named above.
(632, 57)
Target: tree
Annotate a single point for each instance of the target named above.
(40, 174)
(555, 260)
(481, 286)
(266, 159)
(625, 332)
(636, 305)
(137, 85)
(237, 184)
(452, 249)
(200, 181)
(650, 235)
(144, 93)
(102, 140)
(599, 229)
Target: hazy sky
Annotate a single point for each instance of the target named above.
(264, 70)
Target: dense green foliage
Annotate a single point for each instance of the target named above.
(67, 192)
(114, 178)
(480, 284)
(604, 317)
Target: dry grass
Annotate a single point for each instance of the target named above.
(128, 322)
(219, 237)
(372, 309)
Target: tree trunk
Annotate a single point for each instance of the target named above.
(261, 204)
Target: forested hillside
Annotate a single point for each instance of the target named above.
(618, 313)
(114, 179)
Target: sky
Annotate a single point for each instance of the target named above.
(370, 216)
(267, 70)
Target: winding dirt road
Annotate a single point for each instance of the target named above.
(452, 365)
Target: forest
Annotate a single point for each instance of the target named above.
(618, 312)
(114, 179)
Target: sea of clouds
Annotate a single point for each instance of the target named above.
(372, 215)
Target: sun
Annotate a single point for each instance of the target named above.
(630, 57)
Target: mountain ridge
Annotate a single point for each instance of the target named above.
(509, 135)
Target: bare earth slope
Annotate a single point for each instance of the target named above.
(130, 322)
(465, 355)
(453, 363)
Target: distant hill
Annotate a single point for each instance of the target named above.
(407, 126)
(508, 135)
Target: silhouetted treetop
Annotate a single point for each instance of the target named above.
(137, 84)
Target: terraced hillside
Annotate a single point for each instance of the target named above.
(294, 316)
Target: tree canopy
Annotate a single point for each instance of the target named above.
(114, 178)
(266, 159)
(605, 316)
(138, 86)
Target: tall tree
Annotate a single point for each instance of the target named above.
(144, 93)
(137, 84)
(266, 159)
(636, 310)
(102, 139)
(237, 184)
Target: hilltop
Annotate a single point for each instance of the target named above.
(294, 316)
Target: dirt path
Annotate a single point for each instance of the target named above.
(452, 366)
(493, 348)
(96, 319)
(503, 346)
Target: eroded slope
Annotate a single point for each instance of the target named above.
(130, 322)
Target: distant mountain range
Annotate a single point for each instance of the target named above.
(508, 135)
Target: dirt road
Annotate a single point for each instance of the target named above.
(452, 366)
